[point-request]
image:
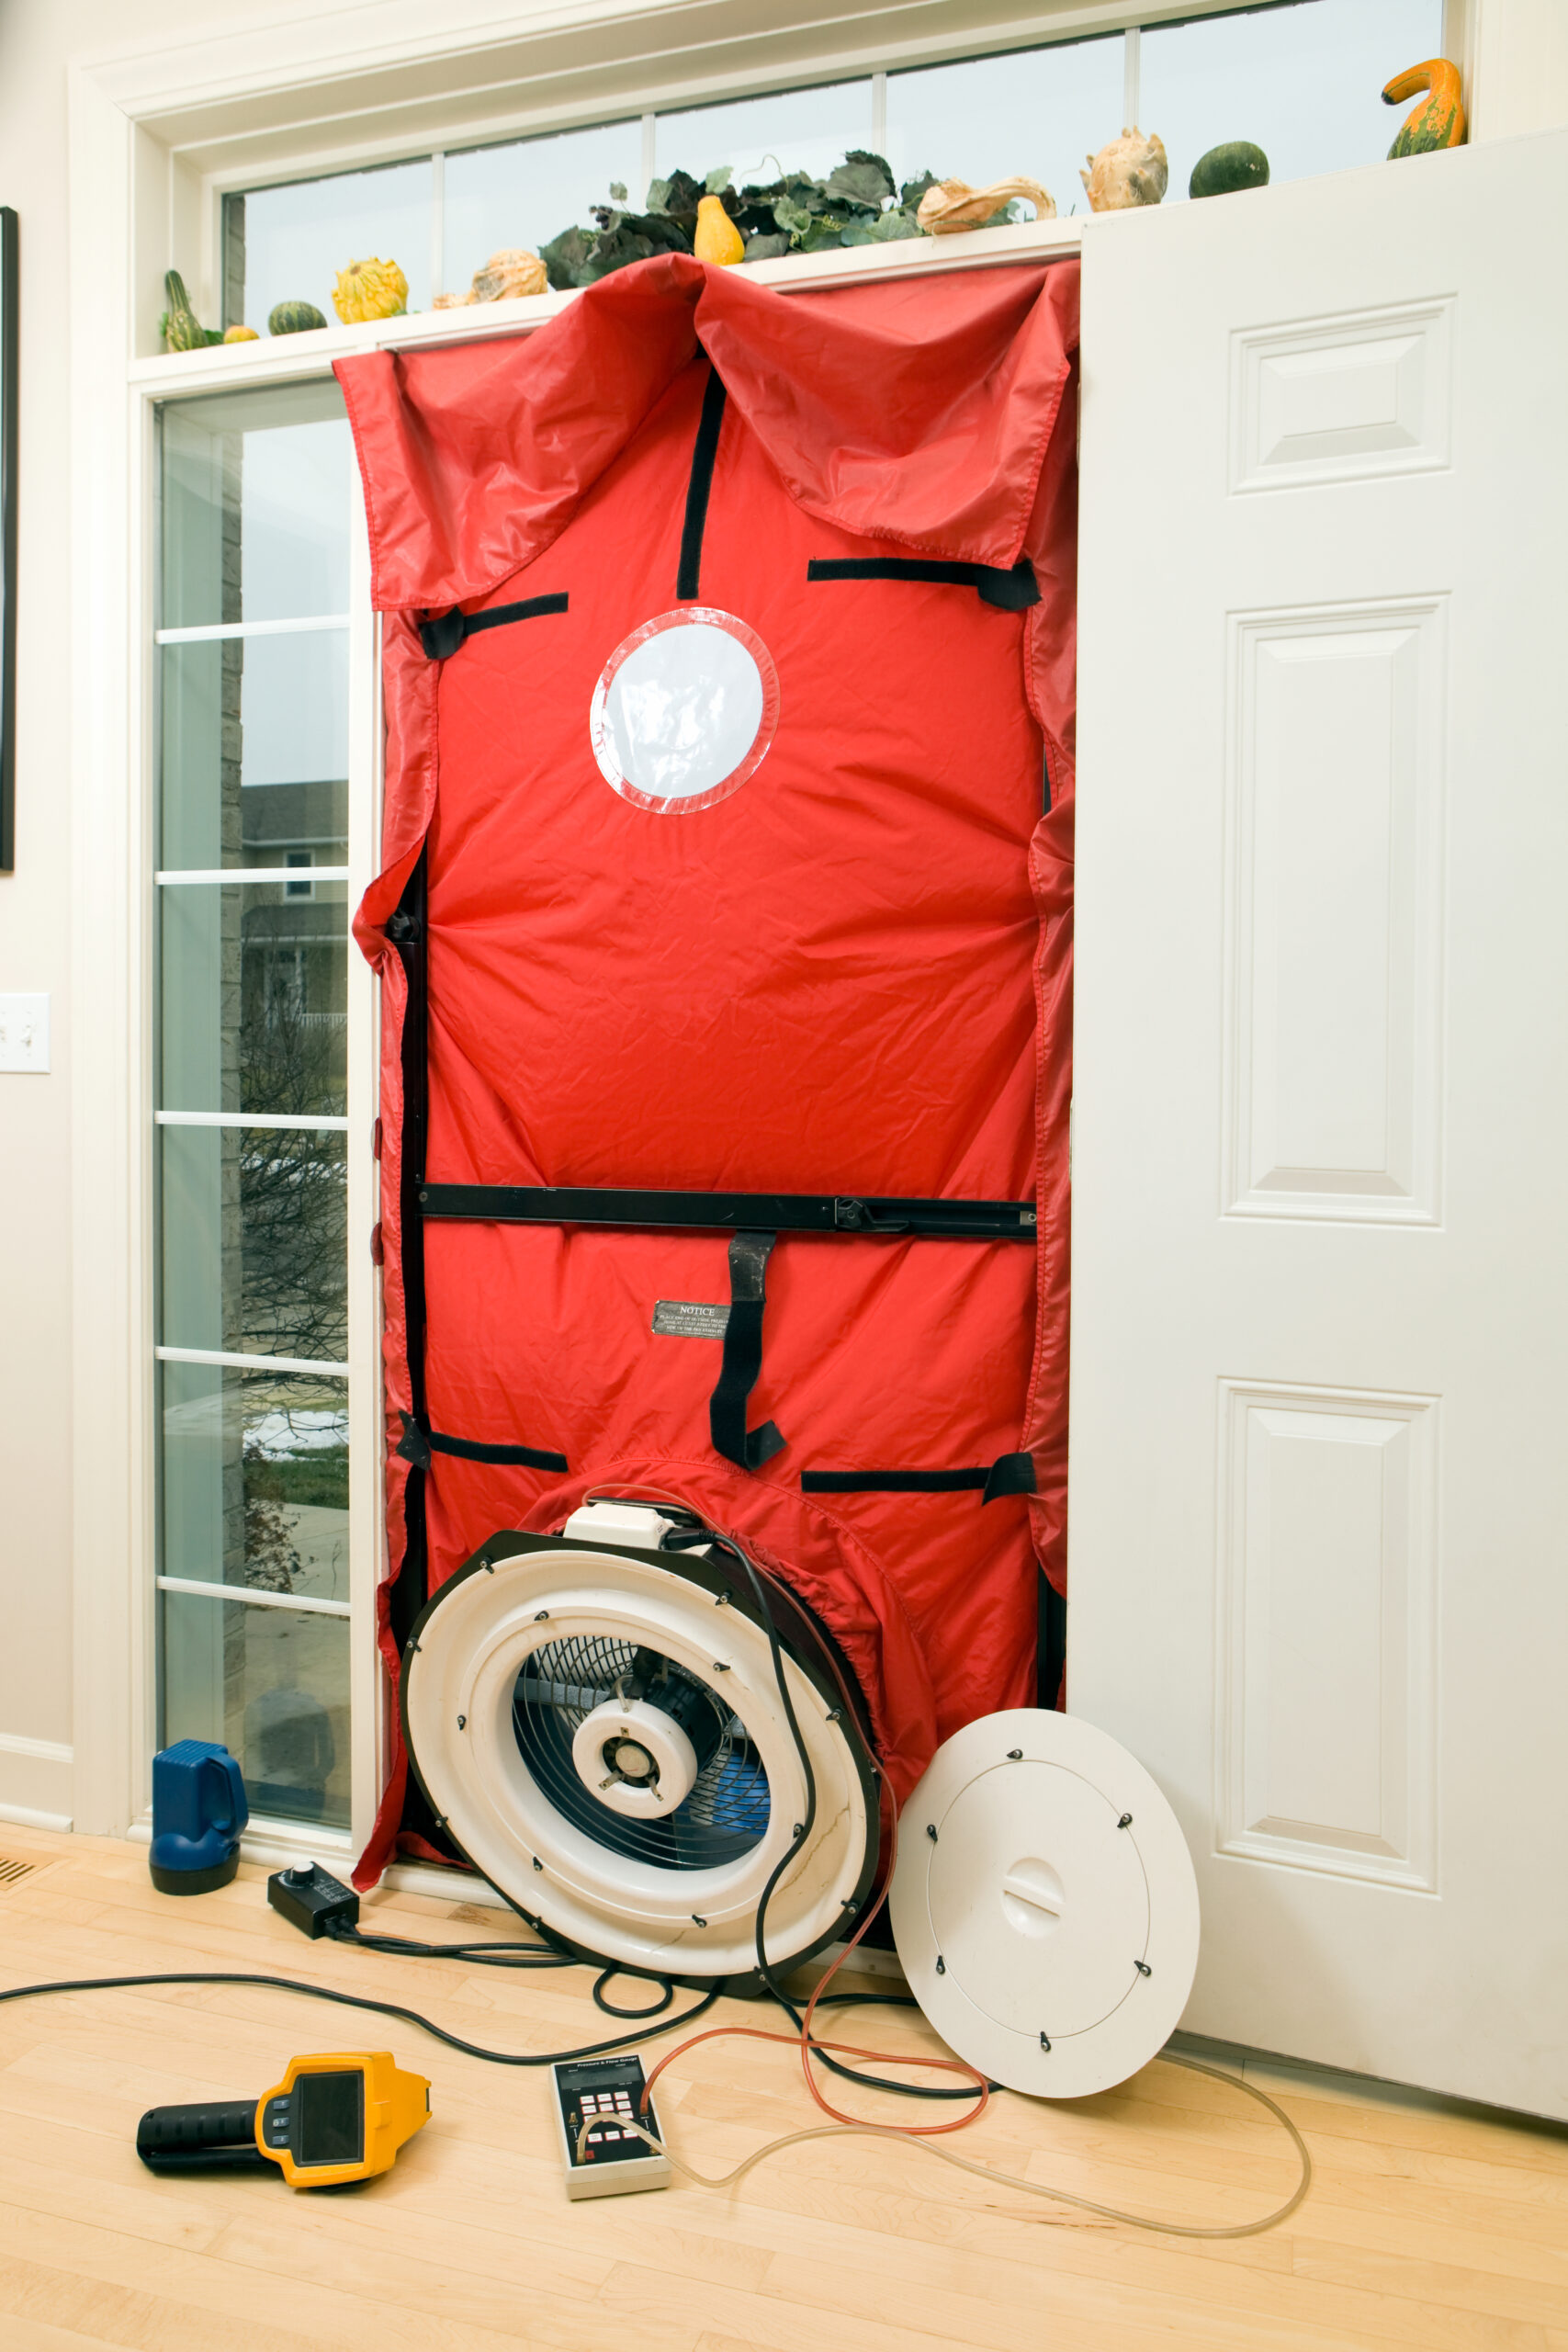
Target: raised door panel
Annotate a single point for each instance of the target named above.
(1334, 912)
(1327, 1658)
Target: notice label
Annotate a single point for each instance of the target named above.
(689, 1318)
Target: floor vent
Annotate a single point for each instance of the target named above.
(11, 1870)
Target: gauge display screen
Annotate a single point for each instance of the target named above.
(329, 2117)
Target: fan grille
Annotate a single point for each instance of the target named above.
(724, 1814)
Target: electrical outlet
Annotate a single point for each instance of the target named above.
(24, 1033)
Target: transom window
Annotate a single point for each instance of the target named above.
(1300, 79)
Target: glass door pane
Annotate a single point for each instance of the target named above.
(272, 1684)
(256, 1480)
(253, 996)
(251, 1159)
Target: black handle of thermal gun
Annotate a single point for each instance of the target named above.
(219, 2136)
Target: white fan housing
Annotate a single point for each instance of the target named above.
(585, 1800)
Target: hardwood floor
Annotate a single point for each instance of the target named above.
(1427, 2225)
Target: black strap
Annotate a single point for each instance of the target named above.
(704, 449)
(1051, 1657)
(719, 1212)
(407, 929)
(748, 1254)
(892, 1482)
(420, 1443)
(1010, 1473)
(1013, 1473)
(442, 635)
(1010, 591)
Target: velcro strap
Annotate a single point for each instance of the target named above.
(1012, 1473)
(748, 1254)
(443, 634)
(420, 1443)
(1010, 591)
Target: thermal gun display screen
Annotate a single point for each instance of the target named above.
(329, 2117)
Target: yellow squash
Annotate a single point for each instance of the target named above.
(370, 290)
(717, 238)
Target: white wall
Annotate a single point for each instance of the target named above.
(36, 37)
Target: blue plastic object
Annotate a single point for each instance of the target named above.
(198, 1810)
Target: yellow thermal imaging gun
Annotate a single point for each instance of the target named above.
(333, 2118)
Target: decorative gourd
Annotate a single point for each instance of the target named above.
(509, 276)
(1440, 122)
(952, 205)
(505, 277)
(183, 330)
(241, 334)
(1238, 164)
(370, 290)
(1130, 170)
(294, 317)
(715, 237)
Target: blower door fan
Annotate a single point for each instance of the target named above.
(603, 1725)
(597, 1721)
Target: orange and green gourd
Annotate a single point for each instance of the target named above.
(1438, 122)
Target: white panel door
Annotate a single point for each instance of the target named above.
(1319, 1474)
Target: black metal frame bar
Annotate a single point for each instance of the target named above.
(732, 1212)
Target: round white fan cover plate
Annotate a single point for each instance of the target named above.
(1048, 1944)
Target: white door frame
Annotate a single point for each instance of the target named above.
(155, 134)
(121, 172)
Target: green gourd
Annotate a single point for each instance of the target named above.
(294, 317)
(1237, 165)
(183, 330)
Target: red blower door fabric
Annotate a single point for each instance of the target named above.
(729, 663)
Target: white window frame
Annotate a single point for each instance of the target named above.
(156, 137)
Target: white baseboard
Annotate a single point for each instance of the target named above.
(27, 1816)
(35, 1781)
(442, 1882)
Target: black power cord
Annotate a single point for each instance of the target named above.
(803, 1831)
(509, 1955)
(363, 2001)
(490, 1955)
(612, 2009)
